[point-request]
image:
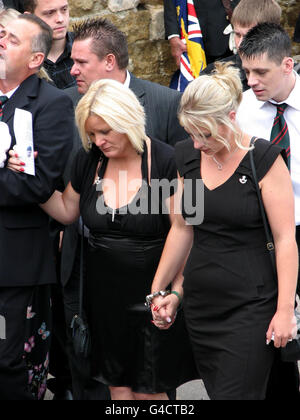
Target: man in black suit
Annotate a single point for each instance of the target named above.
(100, 51)
(214, 17)
(26, 258)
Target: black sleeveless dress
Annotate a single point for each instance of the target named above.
(124, 252)
(230, 293)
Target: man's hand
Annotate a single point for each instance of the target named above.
(177, 48)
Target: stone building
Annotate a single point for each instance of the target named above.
(142, 21)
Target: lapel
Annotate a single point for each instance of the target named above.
(136, 85)
(21, 98)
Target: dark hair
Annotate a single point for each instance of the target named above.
(106, 39)
(43, 41)
(267, 38)
(29, 5)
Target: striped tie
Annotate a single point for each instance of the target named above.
(280, 131)
(3, 99)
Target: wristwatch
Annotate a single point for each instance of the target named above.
(149, 298)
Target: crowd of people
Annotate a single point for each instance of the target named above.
(142, 214)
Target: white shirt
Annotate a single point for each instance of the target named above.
(127, 80)
(256, 119)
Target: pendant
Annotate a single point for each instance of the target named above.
(219, 165)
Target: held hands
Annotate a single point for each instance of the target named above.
(282, 329)
(164, 310)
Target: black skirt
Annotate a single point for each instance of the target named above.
(127, 349)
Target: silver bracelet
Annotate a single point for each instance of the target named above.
(149, 298)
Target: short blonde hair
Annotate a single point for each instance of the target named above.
(119, 108)
(208, 100)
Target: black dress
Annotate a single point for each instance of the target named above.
(230, 294)
(124, 252)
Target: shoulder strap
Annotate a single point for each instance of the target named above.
(270, 243)
(81, 271)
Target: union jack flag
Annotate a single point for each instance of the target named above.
(193, 61)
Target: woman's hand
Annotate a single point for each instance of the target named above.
(14, 163)
(282, 328)
(164, 310)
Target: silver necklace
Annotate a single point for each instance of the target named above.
(219, 164)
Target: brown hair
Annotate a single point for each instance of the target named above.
(252, 12)
(106, 39)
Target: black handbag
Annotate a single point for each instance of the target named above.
(291, 352)
(80, 330)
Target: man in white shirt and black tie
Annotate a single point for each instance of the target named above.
(270, 109)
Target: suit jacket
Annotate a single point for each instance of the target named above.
(161, 105)
(26, 256)
(213, 20)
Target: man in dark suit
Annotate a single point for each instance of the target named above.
(100, 51)
(26, 258)
(214, 16)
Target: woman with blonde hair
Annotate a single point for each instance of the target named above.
(237, 313)
(111, 187)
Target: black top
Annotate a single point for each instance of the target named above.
(60, 70)
(82, 179)
(238, 213)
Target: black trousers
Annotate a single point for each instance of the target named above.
(25, 342)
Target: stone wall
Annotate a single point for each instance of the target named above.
(142, 21)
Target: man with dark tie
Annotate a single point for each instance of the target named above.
(271, 109)
(35, 112)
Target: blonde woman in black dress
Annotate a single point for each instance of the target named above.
(111, 186)
(237, 314)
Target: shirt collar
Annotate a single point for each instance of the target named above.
(127, 80)
(293, 100)
(10, 93)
